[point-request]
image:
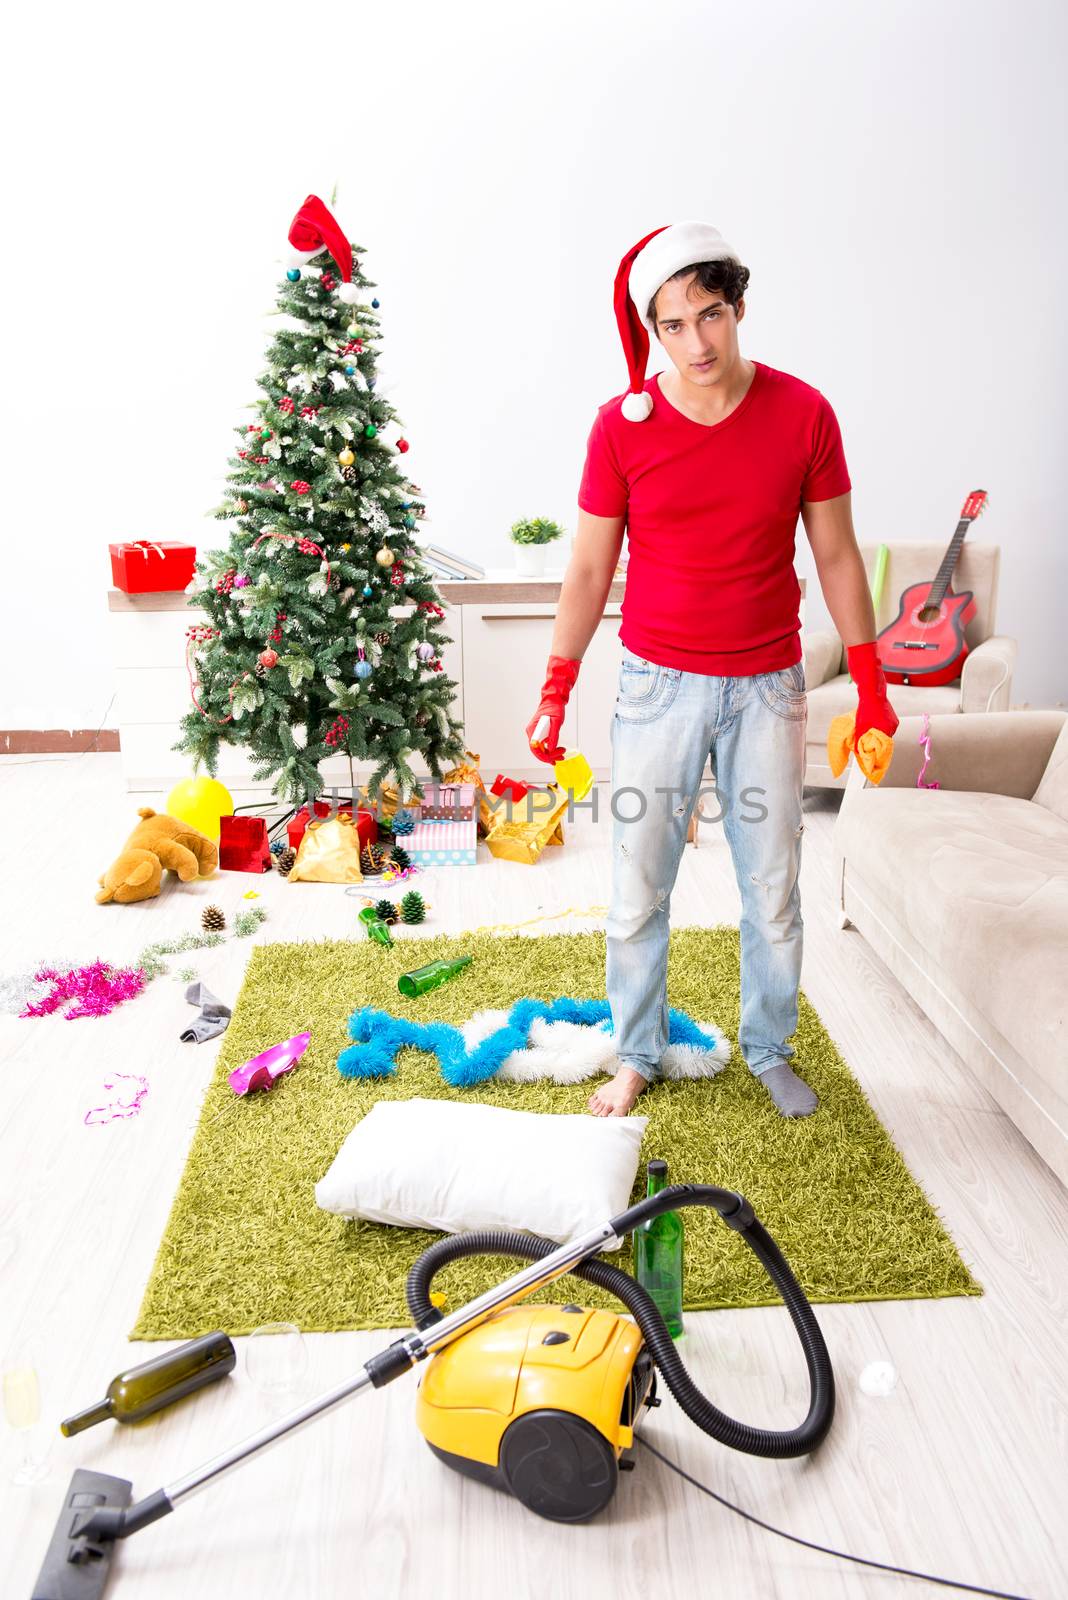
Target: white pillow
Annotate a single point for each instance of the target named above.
(453, 1166)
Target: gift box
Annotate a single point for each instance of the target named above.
(388, 801)
(448, 802)
(534, 825)
(443, 844)
(366, 825)
(243, 845)
(145, 567)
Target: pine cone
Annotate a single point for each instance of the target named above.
(412, 908)
(212, 919)
(399, 857)
(372, 860)
(387, 911)
(350, 475)
(403, 822)
(284, 860)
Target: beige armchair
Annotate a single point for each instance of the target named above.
(984, 685)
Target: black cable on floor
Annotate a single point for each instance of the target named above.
(883, 1566)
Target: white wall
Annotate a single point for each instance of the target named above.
(888, 173)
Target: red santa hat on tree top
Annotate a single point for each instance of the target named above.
(644, 268)
(315, 228)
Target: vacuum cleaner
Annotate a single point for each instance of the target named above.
(540, 1401)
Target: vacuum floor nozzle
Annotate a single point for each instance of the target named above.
(76, 1565)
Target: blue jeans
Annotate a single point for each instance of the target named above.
(666, 724)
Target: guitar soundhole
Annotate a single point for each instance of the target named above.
(928, 614)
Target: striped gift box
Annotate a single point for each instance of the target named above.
(443, 844)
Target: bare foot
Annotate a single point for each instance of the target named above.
(616, 1098)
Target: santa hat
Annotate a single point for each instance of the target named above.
(644, 268)
(315, 228)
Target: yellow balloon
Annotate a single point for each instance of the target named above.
(200, 802)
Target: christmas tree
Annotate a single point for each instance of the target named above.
(300, 658)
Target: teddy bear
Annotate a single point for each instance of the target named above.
(158, 842)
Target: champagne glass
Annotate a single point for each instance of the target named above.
(22, 1411)
(276, 1360)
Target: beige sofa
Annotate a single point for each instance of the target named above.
(963, 892)
(984, 685)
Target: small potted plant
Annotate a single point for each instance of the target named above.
(530, 537)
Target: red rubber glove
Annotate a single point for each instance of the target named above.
(559, 682)
(873, 708)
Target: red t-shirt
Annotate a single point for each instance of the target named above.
(711, 520)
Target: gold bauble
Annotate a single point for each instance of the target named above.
(346, 457)
(384, 557)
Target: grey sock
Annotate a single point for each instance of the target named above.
(213, 1019)
(790, 1093)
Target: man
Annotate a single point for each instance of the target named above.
(709, 487)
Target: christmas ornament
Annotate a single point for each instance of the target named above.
(398, 575)
(328, 281)
(412, 907)
(387, 911)
(403, 821)
(367, 590)
(425, 652)
(350, 474)
(370, 431)
(293, 274)
(402, 445)
(285, 405)
(384, 557)
(400, 857)
(285, 859)
(346, 548)
(226, 582)
(241, 506)
(309, 413)
(409, 522)
(242, 581)
(362, 668)
(349, 371)
(382, 638)
(375, 304)
(276, 631)
(336, 732)
(212, 919)
(299, 486)
(265, 434)
(346, 457)
(269, 658)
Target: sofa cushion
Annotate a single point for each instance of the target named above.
(980, 882)
(827, 700)
(1052, 791)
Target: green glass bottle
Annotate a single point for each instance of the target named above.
(159, 1382)
(424, 978)
(658, 1255)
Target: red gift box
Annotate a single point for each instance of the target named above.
(366, 826)
(243, 845)
(145, 567)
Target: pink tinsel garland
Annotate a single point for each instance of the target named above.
(91, 991)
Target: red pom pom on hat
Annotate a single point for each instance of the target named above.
(315, 228)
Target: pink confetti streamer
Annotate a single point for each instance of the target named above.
(90, 991)
(120, 1107)
(925, 745)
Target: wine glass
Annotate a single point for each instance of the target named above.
(22, 1411)
(276, 1360)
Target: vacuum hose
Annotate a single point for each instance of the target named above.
(738, 1435)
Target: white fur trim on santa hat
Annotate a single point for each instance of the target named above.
(636, 407)
(349, 293)
(683, 244)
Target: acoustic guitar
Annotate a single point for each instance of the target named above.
(925, 643)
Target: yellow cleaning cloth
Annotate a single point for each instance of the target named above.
(874, 750)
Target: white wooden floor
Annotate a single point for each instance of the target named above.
(961, 1471)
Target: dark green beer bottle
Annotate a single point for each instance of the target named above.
(658, 1255)
(157, 1383)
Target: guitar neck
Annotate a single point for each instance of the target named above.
(944, 575)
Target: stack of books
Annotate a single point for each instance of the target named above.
(447, 564)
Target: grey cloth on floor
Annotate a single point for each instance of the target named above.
(213, 1019)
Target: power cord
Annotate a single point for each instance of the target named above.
(906, 1572)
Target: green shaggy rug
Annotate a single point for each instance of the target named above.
(246, 1244)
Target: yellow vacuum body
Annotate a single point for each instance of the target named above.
(540, 1401)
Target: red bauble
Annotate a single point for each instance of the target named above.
(269, 658)
(402, 445)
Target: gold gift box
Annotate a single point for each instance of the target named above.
(525, 837)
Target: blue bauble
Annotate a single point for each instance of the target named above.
(371, 382)
(293, 274)
(367, 590)
(349, 371)
(375, 304)
(362, 669)
(409, 522)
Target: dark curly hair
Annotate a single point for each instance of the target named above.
(726, 277)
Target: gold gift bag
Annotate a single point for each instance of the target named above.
(524, 841)
(329, 852)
